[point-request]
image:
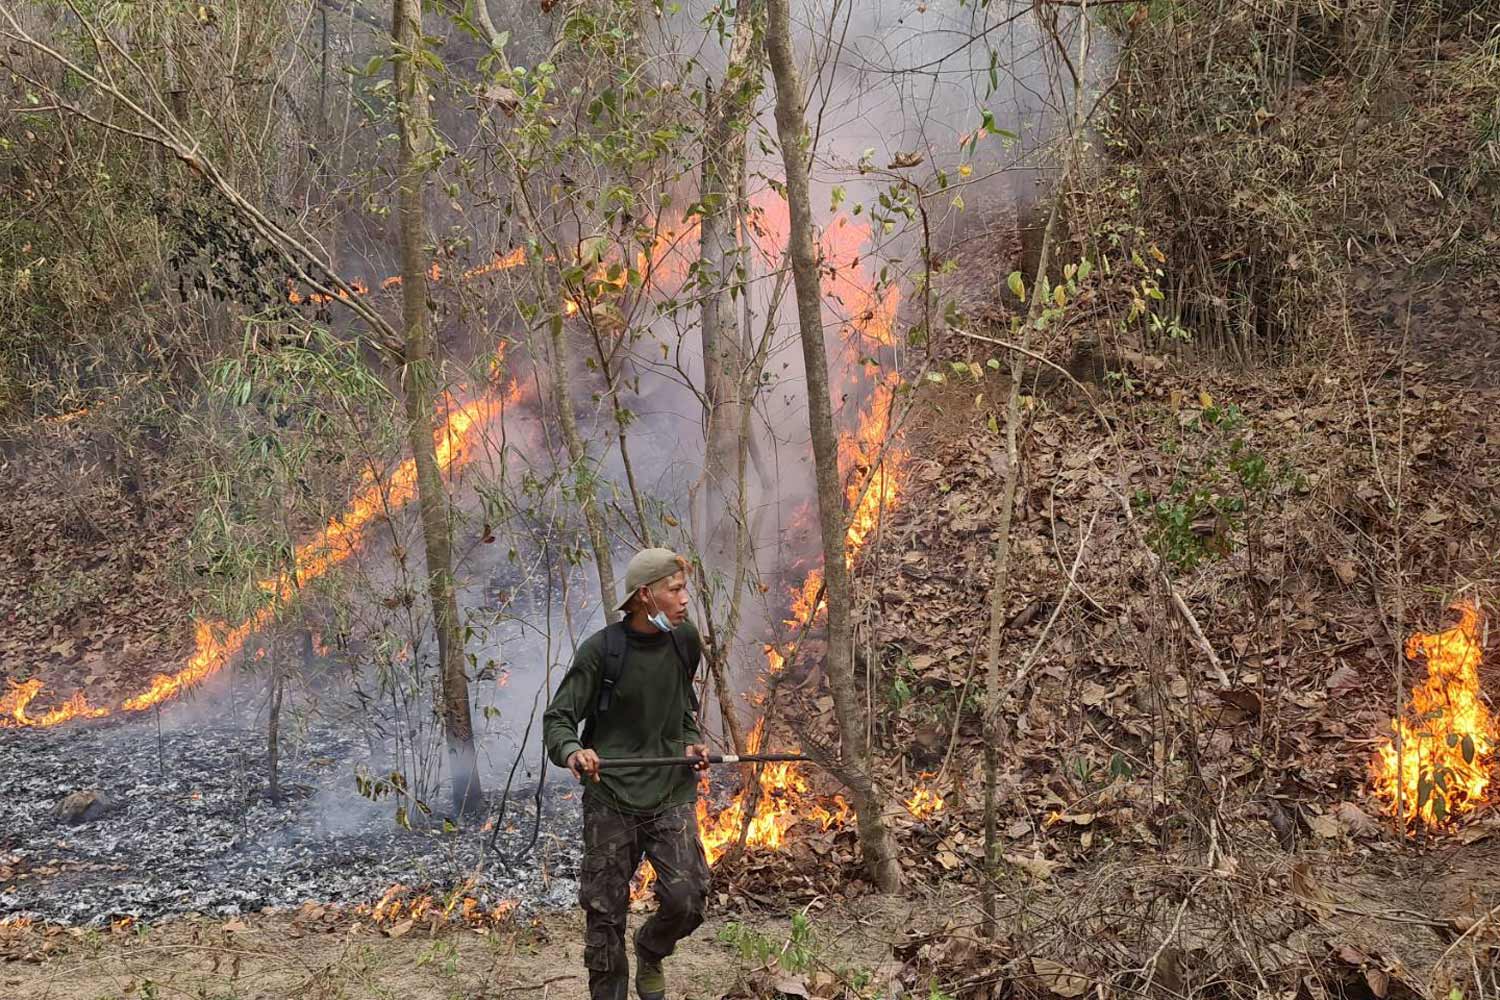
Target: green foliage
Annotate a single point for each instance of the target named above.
(1220, 479)
(801, 952)
(292, 418)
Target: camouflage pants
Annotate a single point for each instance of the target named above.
(613, 843)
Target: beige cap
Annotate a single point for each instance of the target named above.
(646, 567)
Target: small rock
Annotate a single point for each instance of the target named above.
(84, 807)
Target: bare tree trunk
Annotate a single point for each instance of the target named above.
(996, 733)
(583, 475)
(728, 380)
(273, 726)
(725, 374)
(791, 127)
(419, 383)
(995, 730)
(611, 373)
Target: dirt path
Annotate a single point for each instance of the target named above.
(269, 958)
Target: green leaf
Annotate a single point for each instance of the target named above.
(1468, 749)
(1084, 270)
(1017, 285)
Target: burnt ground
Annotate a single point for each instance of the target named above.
(192, 831)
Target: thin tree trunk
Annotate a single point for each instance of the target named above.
(578, 456)
(728, 382)
(611, 375)
(995, 730)
(996, 733)
(419, 383)
(791, 126)
(725, 374)
(273, 726)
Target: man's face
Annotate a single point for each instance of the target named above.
(670, 596)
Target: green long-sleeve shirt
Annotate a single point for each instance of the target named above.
(651, 715)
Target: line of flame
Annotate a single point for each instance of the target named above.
(216, 646)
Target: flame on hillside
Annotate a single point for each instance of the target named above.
(216, 646)
(1436, 767)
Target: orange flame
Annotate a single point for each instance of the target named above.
(1437, 766)
(14, 702)
(400, 902)
(924, 800)
(330, 547)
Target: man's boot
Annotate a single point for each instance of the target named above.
(650, 980)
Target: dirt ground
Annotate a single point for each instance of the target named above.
(274, 957)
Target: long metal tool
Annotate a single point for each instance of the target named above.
(713, 758)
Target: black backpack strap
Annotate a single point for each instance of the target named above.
(614, 668)
(689, 654)
(614, 665)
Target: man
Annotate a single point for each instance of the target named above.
(631, 686)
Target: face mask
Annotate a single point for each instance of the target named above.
(658, 618)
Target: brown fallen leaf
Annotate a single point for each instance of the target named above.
(1355, 819)
(1344, 569)
(1325, 826)
(1059, 979)
(1036, 866)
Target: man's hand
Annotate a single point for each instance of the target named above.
(699, 750)
(584, 762)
